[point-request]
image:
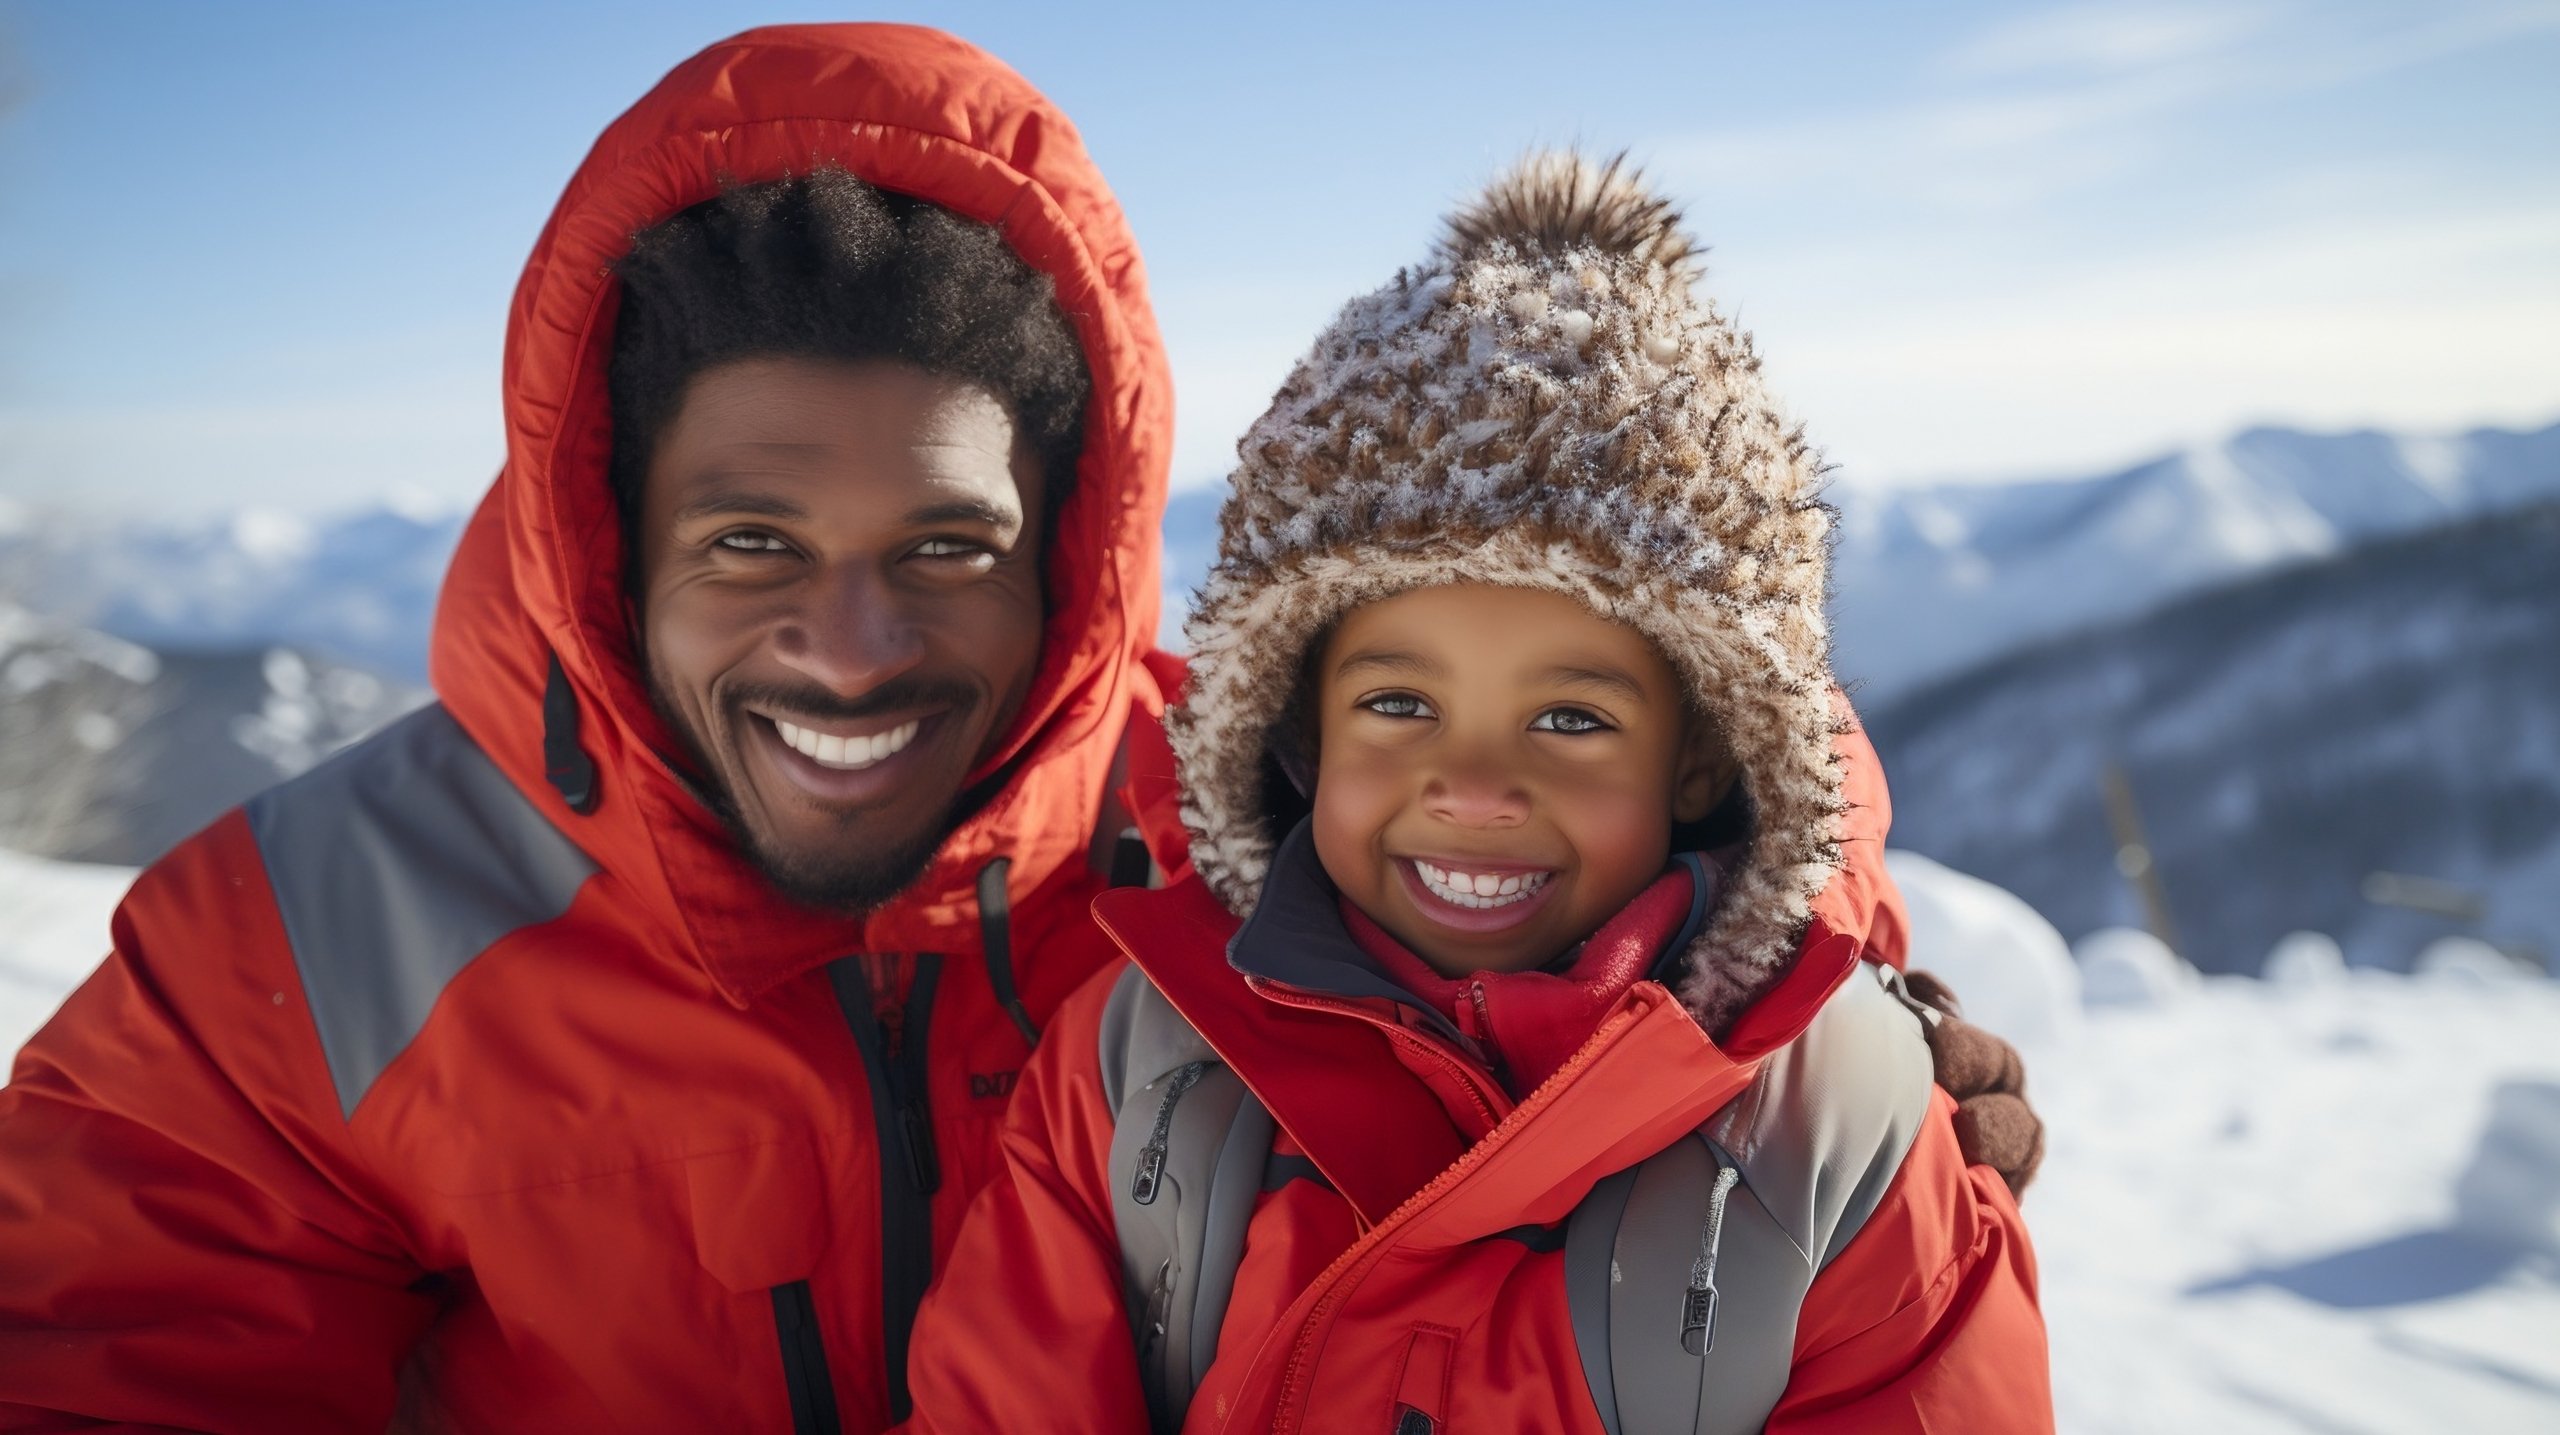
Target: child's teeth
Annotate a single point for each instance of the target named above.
(1479, 890)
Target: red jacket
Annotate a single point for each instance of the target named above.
(411, 1083)
(1422, 1269)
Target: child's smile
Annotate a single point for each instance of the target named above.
(1499, 769)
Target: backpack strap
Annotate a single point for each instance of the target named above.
(1188, 1148)
(1739, 1218)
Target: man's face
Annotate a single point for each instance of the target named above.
(840, 607)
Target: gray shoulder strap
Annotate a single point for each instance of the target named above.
(1187, 1154)
(1685, 1273)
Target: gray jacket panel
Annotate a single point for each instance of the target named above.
(394, 864)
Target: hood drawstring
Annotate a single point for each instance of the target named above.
(566, 764)
(995, 930)
(1698, 1312)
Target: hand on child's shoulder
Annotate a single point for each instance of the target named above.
(1994, 1124)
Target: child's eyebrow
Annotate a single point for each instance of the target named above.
(1608, 679)
(1388, 660)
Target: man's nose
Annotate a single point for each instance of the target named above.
(1474, 790)
(853, 634)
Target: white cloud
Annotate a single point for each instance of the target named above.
(2103, 38)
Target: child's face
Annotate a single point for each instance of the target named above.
(1473, 736)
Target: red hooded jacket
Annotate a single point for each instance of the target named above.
(414, 1085)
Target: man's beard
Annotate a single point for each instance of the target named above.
(847, 880)
(843, 878)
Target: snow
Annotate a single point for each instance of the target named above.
(2469, 960)
(2008, 966)
(2123, 967)
(2250, 1216)
(2511, 1195)
(53, 932)
(2327, 1206)
(2305, 959)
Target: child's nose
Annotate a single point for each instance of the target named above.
(1476, 795)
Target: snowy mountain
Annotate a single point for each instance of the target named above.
(110, 752)
(2297, 745)
(1930, 580)
(358, 588)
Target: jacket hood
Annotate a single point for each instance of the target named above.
(1547, 401)
(534, 606)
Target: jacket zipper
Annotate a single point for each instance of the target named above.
(901, 1117)
(1151, 1158)
(1337, 1280)
(804, 1362)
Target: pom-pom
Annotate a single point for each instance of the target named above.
(1557, 200)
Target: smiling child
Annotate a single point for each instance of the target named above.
(1524, 1051)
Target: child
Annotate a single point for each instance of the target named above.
(1514, 1057)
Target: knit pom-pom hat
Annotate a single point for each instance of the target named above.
(1546, 402)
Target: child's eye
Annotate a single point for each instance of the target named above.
(750, 541)
(1567, 720)
(1397, 705)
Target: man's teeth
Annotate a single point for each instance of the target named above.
(1480, 889)
(846, 752)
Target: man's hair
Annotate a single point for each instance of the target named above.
(830, 267)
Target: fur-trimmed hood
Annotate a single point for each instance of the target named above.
(1546, 402)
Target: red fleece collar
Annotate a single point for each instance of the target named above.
(1532, 1022)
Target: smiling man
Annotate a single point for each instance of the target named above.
(614, 1044)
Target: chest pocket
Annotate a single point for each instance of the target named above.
(760, 1216)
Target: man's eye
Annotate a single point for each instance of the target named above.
(954, 548)
(1397, 705)
(1568, 720)
(751, 542)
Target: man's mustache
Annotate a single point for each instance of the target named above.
(818, 705)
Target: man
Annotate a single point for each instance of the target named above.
(616, 1044)
(637, 1020)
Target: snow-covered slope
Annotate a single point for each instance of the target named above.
(111, 752)
(53, 932)
(1931, 580)
(2393, 711)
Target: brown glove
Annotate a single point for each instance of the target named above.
(1994, 1124)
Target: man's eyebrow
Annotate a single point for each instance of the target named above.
(741, 501)
(966, 510)
(1388, 660)
(1610, 679)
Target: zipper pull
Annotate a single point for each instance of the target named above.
(916, 1131)
(1698, 1309)
(1159, 1300)
(1142, 1187)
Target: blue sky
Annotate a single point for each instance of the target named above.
(261, 253)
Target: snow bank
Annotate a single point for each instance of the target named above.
(2305, 959)
(2511, 1194)
(2008, 965)
(53, 932)
(2469, 960)
(2122, 967)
